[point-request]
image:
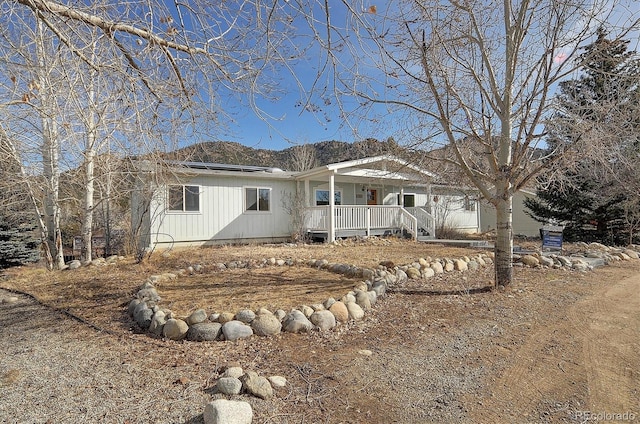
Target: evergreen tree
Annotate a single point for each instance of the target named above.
(592, 200)
(17, 244)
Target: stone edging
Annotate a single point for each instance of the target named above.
(146, 311)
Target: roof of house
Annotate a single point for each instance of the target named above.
(382, 167)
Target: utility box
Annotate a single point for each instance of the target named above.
(551, 237)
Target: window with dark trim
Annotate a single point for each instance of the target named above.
(469, 204)
(257, 199)
(184, 198)
(322, 197)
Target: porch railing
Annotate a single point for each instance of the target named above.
(426, 222)
(365, 217)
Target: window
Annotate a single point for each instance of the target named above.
(184, 198)
(257, 199)
(409, 200)
(469, 204)
(322, 197)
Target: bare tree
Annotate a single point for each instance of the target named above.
(303, 157)
(476, 76)
(165, 66)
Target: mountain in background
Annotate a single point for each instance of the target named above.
(295, 158)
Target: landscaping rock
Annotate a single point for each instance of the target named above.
(427, 273)
(225, 317)
(197, 316)
(413, 273)
(229, 385)
(362, 299)
(355, 311)
(324, 320)
(256, 385)
(373, 297)
(222, 411)
(448, 266)
(204, 331)
(148, 294)
(246, 316)
(143, 317)
(631, 253)
(296, 322)
(175, 329)
(277, 381)
(132, 306)
(401, 275)
(266, 325)
(329, 302)
(306, 310)
(280, 314)
(437, 267)
(460, 265)
(380, 287)
(348, 298)
(75, 264)
(158, 321)
(340, 311)
(236, 372)
(530, 261)
(546, 261)
(234, 330)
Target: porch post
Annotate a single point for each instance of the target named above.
(401, 202)
(332, 208)
(307, 195)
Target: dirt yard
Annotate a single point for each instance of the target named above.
(556, 346)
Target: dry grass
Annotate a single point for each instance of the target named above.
(99, 294)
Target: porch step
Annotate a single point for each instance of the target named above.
(480, 244)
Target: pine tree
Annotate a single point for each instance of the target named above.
(602, 104)
(17, 244)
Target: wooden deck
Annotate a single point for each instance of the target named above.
(367, 220)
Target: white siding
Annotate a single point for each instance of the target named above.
(523, 224)
(222, 216)
(450, 212)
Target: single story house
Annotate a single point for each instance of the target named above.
(193, 203)
(522, 223)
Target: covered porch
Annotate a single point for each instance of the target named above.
(383, 195)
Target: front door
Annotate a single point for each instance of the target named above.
(372, 197)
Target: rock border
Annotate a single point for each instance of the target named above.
(150, 316)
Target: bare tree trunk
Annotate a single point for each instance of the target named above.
(504, 241)
(50, 155)
(89, 166)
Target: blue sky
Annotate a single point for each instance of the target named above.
(292, 125)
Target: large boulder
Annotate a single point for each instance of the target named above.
(222, 411)
(143, 316)
(296, 322)
(324, 320)
(246, 316)
(229, 385)
(175, 329)
(460, 265)
(234, 330)
(158, 321)
(256, 385)
(266, 325)
(204, 331)
(530, 260)
(340, 311)
(197, 316)
(355, 311)
(362, 299)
